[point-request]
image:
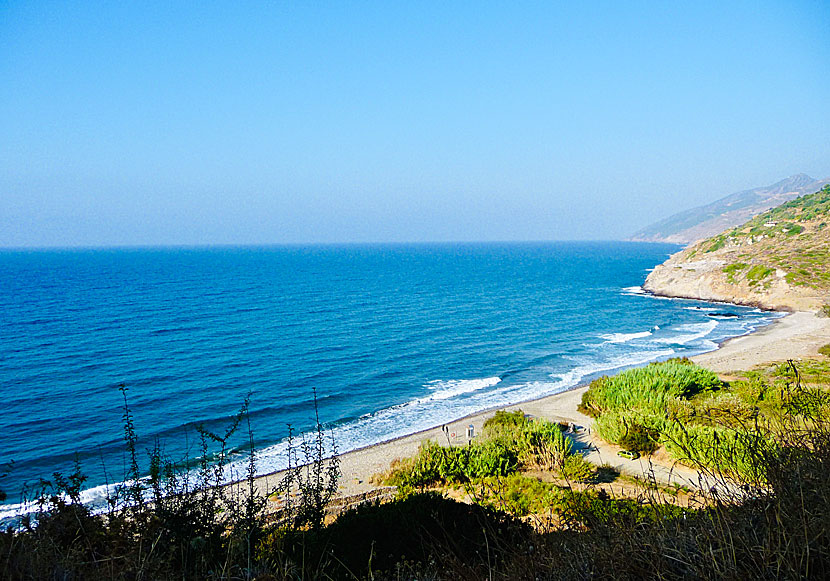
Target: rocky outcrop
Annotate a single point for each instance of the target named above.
(705, 279)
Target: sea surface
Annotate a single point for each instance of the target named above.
(393, 338)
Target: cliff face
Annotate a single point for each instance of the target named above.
(705, 279)
(779, 259)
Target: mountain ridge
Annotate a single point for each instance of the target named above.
(729, 211)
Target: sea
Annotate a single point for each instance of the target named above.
(389, 340)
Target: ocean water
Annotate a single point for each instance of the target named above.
(394, 338)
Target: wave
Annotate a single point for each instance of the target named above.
(624, 337)
(447, 389)
(633, 290)
(575, 375)
(689, 332)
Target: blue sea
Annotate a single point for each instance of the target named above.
(394, 338)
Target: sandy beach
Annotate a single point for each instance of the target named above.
(797, 335)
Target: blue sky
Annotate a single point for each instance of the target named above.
(256, 123)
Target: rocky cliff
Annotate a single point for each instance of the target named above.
(780, 259)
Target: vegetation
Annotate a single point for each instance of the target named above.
(700, 420)
(511, 442)
(178, 522)
(758, 273)
(792, 237)
(732, 269)
(770, 519)
(635, 408)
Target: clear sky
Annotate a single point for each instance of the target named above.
(281, 122)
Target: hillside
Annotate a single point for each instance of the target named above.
(697, 223)
(778, 259)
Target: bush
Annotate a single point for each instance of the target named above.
(420, 528)
(518, 494)
(577, 469)
(539, 443)
(436, 464)
(504, 423)
(758, 273)
(635, 407)
(652, 388)
(640, 438)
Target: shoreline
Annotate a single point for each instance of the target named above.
(796, 335)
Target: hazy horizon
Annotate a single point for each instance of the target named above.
(245, 125)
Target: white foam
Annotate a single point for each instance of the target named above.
(633, 290)
(453, 387)
(624, 337)
(95, 497)
(688, 333)
(621, 361)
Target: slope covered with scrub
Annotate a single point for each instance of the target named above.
(778, 259)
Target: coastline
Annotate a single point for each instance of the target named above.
(797, 335)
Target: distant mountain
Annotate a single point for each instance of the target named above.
(704, 221)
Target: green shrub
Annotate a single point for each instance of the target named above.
(504, 422)
(539, 443)
(435, 464)
(732, 452)
(652, 388)
(732, 269)
(518, 494)
(825, 349)
(758, 273)
(717, 243)
(577, 469)
(638, 407)
(597, 510)
(640, 438)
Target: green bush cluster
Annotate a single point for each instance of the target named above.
(576, 469)
(436, 464)
(732, 269)
(640, 438)
(635, 408)
(716, 243)
(652, 389)
(539, 443)
(510, 441)
(758, 273)
(754, 274)
(518, 494)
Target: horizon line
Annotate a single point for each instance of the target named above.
(209, 246)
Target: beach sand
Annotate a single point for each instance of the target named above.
(795, 336)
